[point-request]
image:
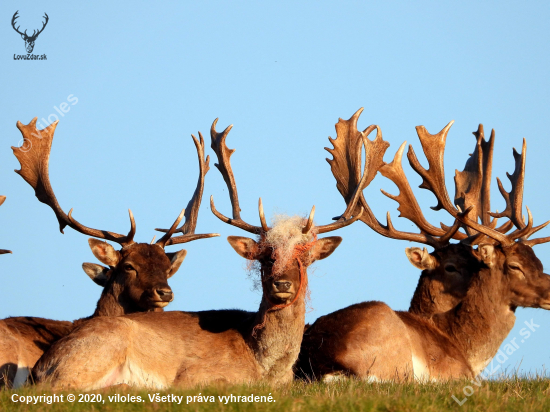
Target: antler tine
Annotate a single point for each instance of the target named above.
(390, 231)
(223, 154)
(514, 198)
(163, 241)
(192, 209)
(408, 205)
(191, 212)
(34, 158)
(492, 233)
(487, 148)
(514, 201)
(346, 160)
(538, 241)
(346, 168)
(443, 240)
(433, 179)
(473, 184)
(103, 234)
(309, 223)
(262, 215)
(340, 223)
(526, 231)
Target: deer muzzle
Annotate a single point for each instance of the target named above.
(163, 296)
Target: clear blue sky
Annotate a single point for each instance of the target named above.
(147, 75)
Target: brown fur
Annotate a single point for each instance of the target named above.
(486, 316)
(366, 340)
(131, 286)
(442, 288)
(186, 348)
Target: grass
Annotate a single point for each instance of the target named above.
(509, 394)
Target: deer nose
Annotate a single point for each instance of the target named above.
(282, 286)
(165, 294)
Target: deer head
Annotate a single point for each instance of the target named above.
(29, 40)
(446, 276)
(138, 272)
(283, 251)
(508, 255)
(447, 271)
(3, 251)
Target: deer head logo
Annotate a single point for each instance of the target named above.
(29, 40)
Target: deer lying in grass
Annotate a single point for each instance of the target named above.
(373, 342)
(3, 251)
(134, 281)
(211, 346)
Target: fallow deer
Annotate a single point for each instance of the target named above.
(3, 251)
(211, 346)
(136, 279)
(371, 341)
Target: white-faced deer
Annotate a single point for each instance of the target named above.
(136, 279)
(211, 346)
(454, 326)
(3, 251)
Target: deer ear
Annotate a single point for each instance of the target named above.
(487, 254)
(99, 274)
(244, 246)
(420, 258)
(104, 252)
(324, 247)
(176, 260)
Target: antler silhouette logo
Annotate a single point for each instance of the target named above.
(29, 40)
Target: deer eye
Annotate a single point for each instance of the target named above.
(516, 269)
(450, 268)
(129, 267)
(515, 266)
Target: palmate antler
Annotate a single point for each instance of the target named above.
(472, 187)
(3, 251)
(34, 157)
(473, 192)
(223, 154)
(473, 184)
(514, 200)
(192, 209)
(346, 164)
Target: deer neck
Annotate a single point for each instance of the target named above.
(113, 302)
(275, 338)
(422, 302)
(482, 321)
